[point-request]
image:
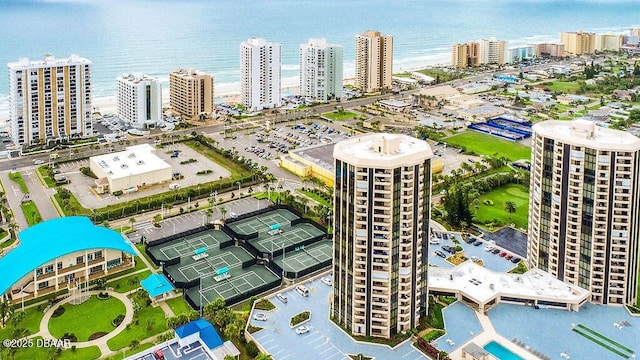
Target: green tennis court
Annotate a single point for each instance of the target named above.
(186, 246)
(306, 257)
(262, 223)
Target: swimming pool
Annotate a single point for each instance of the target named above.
(500, 351)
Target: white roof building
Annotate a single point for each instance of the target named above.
(129, 170)
(139, 100)
(484, 288)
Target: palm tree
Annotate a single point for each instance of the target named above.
(510, 207)
(132, 220)
(209, 213)
(5, 310)
(223, 212)
(263, 356)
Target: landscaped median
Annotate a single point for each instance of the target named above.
(87, 321)
(300, 318)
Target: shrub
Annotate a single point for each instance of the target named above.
(265, 304)
(488, 202)
(58, 312)
(204, 172)
(118, 320)
(298, 318)
(252, 349)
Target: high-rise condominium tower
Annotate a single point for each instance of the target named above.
(578, 43)
(493, 52)
(381, 221)
(584, 208)
(465, 55)
(139, 100)
(49, 98)
(260, 73)
(374, 61)
(320, 70)
(191, 92)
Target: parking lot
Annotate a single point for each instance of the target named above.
(324, 341)
(81, 185)
(451, 156)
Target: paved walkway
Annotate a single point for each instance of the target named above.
(489, 334)
(100, 342)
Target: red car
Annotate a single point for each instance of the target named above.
(508, 257)
(503, 254)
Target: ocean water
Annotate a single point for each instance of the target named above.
(158, 36)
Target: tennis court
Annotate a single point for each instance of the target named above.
(189, 269)
(289, 236)
(242, 281)
(186, 246)
(306, 257)
(262, 223)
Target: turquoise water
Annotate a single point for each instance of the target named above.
(157, 36)
(501, 352)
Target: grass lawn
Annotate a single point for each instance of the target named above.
(31, 322)
(88, 318)
(340, 116)
(511, 192)
(91, 352)
(150, 321)
(489, 145)
(140, 248)
(179, 306)
(434, 319)
(31, 212)
(130, 352)
(317, 198)
(129, 283)
(44, 172)
(73, 207)
(563, 86)
(432, 335)
(15, 176)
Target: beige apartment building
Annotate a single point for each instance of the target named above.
(465, 55)
(583, 208)
(191, 92)
(49, 99)
(608, 42)
(374, 61)
(493, 51)
(549, 50)
(381, 221)
(578, 43)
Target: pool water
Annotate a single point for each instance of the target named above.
(501, 352)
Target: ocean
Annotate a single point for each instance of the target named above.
(158, 36)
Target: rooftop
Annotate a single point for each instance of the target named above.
(138, 159)
(382, 149)
(135, 78)
(48, 61)
(320, 154)
(482, 284)
(585, 133)
(156, 285)
(207, 332)
(54, 238)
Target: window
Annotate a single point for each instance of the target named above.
(60, 265)
(42, 285)
(79, 260)
(48, 269)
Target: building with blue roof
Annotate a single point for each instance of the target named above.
(60, 254)
(205, 333)
(157, 286)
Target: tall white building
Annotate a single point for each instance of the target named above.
(321, 70)
(260, 74)
(381, 226)
(493, 52)
(584, 204)
(139, 100)
(49, 99)
(374, 61)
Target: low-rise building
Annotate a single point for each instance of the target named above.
(60, 254)
(138, 166)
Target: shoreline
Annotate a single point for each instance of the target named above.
(230, 92)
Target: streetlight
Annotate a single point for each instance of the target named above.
(238, 183)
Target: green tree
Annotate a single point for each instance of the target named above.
(5, 310)
(456, 205)
(510, 207)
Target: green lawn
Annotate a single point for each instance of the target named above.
(179, 306)
(150, 321)
(129, 283)
(317, 198)
(140, 248)
(15, 176)
(130, 352)
(72, 206)
(31, 212)
(91, 352)
(511, 192)
(340, 116)
(489, 145)
(31, 322)
(563, 86)
(44, 172)
(88, 318)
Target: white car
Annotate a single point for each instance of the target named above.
(327, 281)
(38, 161)
(302, 329)
(174, 186)
(434, 241)
(260, 317)
(488, 248)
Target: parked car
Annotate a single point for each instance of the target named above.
(282, 298)
(441, 254)
(488, 248)
(38, 162)
(327, 281)
(302, 329)
(515, 260)
(477, 243)
(508, 257)
(495, 251)
(174, 186)
(502, 254)
(260, 317)
(448, 249)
